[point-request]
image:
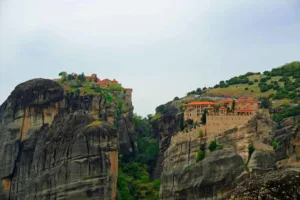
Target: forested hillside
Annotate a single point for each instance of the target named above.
(279, 83)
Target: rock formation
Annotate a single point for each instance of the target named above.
(210, 178)
(53, 145)
(164, 128)
(288, 136)
(280, 184)
(223, 170)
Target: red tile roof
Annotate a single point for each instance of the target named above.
(200, 103)
(228, 100)
(223, 108)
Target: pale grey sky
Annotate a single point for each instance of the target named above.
(160, 48)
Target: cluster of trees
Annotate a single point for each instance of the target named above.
(243, 79)
(212, 147)
(198, 91)
(289, 112)
(134, 180)
(291, 69)
(69, 77)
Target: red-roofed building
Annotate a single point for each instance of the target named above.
(194, 110)
(104, 83)
(246, 105)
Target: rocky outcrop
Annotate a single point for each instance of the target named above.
(60, 145)
(164, 128)
(280, 184)
(288, 136)
(261, 162)
(210, 178)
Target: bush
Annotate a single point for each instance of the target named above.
(251, 149)
(275, 144)
(212, 146)
(161, 109)
(201, 134)
(200, 156)
(246, 88)
(250, 83)
(115, 87)
(290, 112)
(255, 80)
(176, 98)
(265, 103)
(263, 80)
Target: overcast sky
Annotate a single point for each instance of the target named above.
(160, 48)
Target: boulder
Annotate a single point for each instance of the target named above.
(261, 162)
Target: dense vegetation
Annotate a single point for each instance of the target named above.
(279, 83)
(134, 180)
(289, 112)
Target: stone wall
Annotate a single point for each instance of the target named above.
(216, 124)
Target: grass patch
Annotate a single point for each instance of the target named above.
(156, 116)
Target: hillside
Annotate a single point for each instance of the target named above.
(279, 83)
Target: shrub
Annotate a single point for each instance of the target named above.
(263, 80)
(116, 87)
(275, 144)
(255, 80)
(250, 83)
(201, 134)
(251, 149)
(212, 146)
(161, 109)
(246, 88)
(200, 156)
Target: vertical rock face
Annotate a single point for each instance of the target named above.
(261, 162)
(211, 178)
(288, 136)
(164, 128)
(51, 147)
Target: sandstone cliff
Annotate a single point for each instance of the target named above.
(288, 136)
(211, 178)
(164, 128)
(221, 171)
(279, 184)
(60, 145)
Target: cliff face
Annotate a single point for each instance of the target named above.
(219, 172)
(211, 178)
(53, 145)
(279, 184)
(288, 136)
(164, 128)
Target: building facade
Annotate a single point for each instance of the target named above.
(245, 105)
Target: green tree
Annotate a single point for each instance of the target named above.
(265, 103)
(275, 144)
(251, 149)
(176, 98)
(213, 145)
(63, 74)
(203, 118)
(81, 78)
(161, 109)
(233, 106)
(200, 156)
(70, 77)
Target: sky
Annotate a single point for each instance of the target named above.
(161, 49)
